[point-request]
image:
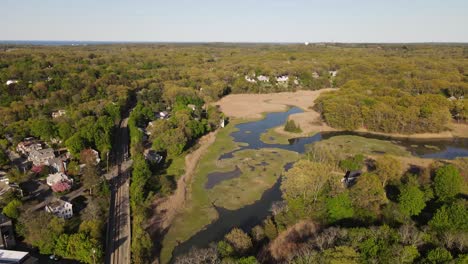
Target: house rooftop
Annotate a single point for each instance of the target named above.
(12, 256)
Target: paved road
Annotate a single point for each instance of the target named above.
(118, 230)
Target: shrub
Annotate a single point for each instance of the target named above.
(239, 240)
(291, 126)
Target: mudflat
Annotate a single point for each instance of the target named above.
(253, 106)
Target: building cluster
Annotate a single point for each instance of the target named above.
(280, 80)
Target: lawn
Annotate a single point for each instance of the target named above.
(260, 170)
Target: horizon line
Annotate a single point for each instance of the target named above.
(39, 42)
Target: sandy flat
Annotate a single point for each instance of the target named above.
(252, 106)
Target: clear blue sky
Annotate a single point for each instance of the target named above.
(236, 20)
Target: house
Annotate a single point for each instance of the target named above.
(192, 106)
(282, 79)
(350, 177)
(10, 82)
(163, 115)
(315, 75)
(16, 257)
(263, 78)
(57, 164)
(249, 79)
(4, 177)
(333, 73)
(7, 236)
(27, 145)
(90, 153)
(306, 43)
(152, 155)
(4, 188)
(58, 113)
(60, 208)
(42, 156)
(58, 177)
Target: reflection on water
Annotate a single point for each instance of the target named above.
(251, 215)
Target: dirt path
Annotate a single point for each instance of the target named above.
(165, 210)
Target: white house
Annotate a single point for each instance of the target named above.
(263, 78)
(58, 113)
(60, 208)
(192, 107)
(57, 177)
(249, 79)
(282, 79)
(16, 257)
(9, 82)
(163, 115)
(333, 73)
(42, 156)
(27, 145)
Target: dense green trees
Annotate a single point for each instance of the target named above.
(41, 230)
(12, 209)
(447, 182)
(389, 111)
(411, 199)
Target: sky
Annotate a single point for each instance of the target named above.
(236, 20)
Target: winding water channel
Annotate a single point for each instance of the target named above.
(251, 215)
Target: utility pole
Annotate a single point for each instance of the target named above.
(107, 162)
(94, 258)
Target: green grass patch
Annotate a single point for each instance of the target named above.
(177, 166)
(273, 137)
(360, 145)
(232, 194)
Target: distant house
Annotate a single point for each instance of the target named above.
(192, 107)
(163, 115)
(222, 122)
(4, 177)
(4, 188)
(315, 75)
(16, 257)
(60, 208)
(263, 78)
(249, 79)
(282, 79)
(58, 113)
(58, 177)
(152, 156)
(42, 156)
(350, 177)
(27, 145)
(7, 236)
(10, 82)
(90, 153)
(333, 73)
(57, 164)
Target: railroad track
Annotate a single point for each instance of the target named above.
(119, 230)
